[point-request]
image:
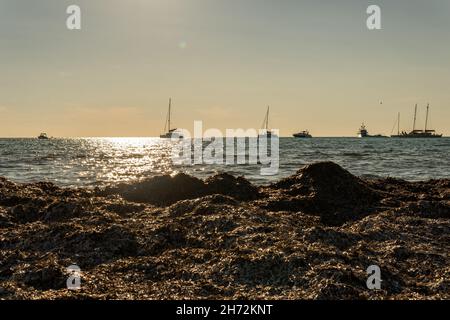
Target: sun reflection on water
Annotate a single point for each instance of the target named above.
(99, 161)
(128, 159)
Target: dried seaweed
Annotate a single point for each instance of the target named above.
(309, 236)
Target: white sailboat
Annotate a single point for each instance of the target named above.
(265, 126)
(170, 133)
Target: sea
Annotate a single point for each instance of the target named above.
(90, 162)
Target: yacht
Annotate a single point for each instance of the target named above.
(43, 136)
(302, 134)
(170, 133)
(363, 133)
(416, 133)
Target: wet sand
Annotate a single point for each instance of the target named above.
(309, 236)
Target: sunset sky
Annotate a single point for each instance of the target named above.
(222, 61)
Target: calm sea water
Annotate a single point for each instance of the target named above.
(99, 161)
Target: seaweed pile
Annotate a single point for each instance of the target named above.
(309, 236)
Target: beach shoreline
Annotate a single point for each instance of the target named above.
(309, 236)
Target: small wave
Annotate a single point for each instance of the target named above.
(353, 154)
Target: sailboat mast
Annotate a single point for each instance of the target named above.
(415, 116)
(267, 118)
(168, 119)
(398, 124)
(426, 119)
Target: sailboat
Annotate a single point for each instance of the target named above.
(417, 133)
(265, 126)
(170, 133)
(398, 135)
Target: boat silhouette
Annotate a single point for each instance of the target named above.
(416, 133)
(170, 133)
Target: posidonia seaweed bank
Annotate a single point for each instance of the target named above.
(309, 236)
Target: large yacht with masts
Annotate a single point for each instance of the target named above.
(416, 133)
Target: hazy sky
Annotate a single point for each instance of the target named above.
(222, 61)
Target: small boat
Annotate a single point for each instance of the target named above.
(265, 126)
(416, 133)
(363, 133)
(43, 136)
(170, 133)
(302, 134)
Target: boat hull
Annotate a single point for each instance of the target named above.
(267, 134)
(302, 136)
(171, 136)
(417, 136)
(368, 136)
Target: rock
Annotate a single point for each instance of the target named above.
(5, 220)
(226, 184)
(328, 190)
(161, 190)
(60, 211)
(25, 213)
(43, 274)
(166, 190)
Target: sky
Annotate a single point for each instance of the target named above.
(222, 61)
